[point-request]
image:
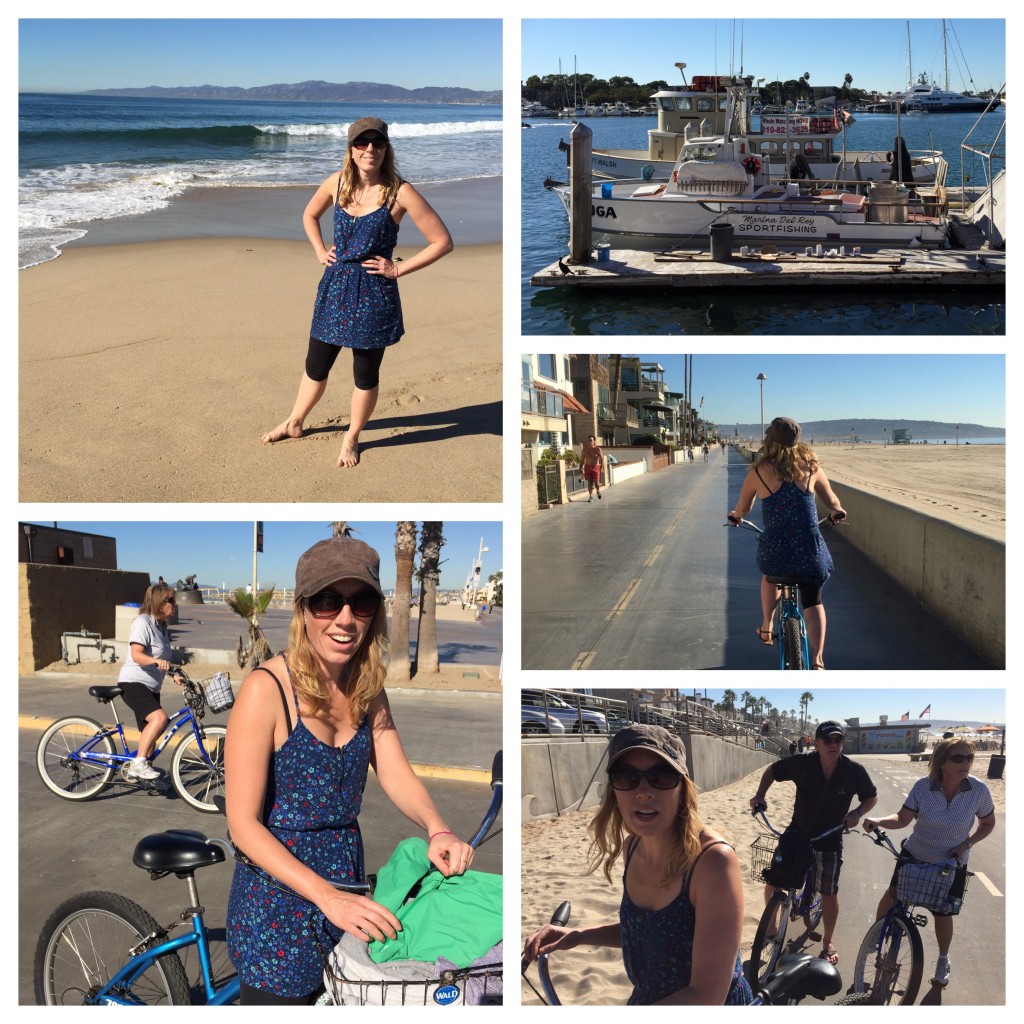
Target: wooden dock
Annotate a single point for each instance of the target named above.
(693, 268)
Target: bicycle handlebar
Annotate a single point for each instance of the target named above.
(832, 519)
(759, 812)
(880, 838)
(561, 918)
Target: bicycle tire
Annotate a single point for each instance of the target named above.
(892, 975)
(72, 779)
(85, 942)
(194, 780)
(812, 917)
(792, 646)
(767, 949)
(857, 999)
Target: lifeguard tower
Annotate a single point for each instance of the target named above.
(900, 435)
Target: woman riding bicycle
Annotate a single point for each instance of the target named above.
(681, 914)
(142, 674)
(304, 730)
(786, 476)
(943, 807)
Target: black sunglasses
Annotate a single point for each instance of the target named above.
(170, 600)
(657, 778)
(328, 603)
(960, 758)
(378, 141)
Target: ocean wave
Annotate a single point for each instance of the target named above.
(395, 131)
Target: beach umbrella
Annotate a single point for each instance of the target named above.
(989, 728)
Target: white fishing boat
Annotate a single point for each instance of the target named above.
(806, 144)
(722, 180)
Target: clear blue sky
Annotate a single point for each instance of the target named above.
(74, 55)
(949, 388)
(873, 51)
(964, 703)
(222, 552)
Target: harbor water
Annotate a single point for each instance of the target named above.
(564, 311)
(84, 159)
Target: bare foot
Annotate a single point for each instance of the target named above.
(349, 453)
(287, 428)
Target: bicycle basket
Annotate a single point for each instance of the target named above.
(762, 851)
(783, 862)
(929, 885)
(219, 694)
(353, 979)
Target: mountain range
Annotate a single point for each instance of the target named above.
(314, 92)
(876, 428)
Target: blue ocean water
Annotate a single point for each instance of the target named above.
(561, 311)
(84, 158)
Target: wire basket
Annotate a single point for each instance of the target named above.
(219, 694)
(762, 852)
(929, 885)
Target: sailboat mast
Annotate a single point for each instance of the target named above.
(945, 62)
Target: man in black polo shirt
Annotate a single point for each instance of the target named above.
(826, 782)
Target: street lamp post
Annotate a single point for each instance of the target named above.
(762, 378)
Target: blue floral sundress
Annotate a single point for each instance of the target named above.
(355, 309)
(657, 946)
(792, 544)
(314, 794)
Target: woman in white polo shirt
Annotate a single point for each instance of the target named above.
(944, 807)
(143, 671)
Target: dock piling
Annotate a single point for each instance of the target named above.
(581, 145)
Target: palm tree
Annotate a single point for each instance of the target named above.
(496, 579)
(729, 699)
(805, 699)
(399, 667)
(342, 530)
(747, 698)
(251, 607)
(805, 80)
(426, 636)
(847, 82)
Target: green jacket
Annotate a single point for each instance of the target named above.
(458, 918)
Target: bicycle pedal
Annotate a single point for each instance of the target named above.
(920, 920)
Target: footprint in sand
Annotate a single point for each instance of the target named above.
(408, 399)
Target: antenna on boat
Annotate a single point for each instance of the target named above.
(682, 71)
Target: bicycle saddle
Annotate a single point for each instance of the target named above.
(802, 974)
(783, 581)
(178, 850)
(105, 693)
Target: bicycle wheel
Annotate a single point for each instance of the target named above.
(63, 773)
(196, 782)
(85, 943)
(812, 916)
(856, 999)
(792, 646)
(770, 938)
(890, 965)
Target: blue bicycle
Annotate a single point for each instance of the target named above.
(77, 757)
(790, 629)
(787, 903)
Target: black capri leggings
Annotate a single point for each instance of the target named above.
(365, 363)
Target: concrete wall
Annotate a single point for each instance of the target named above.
(560, 776)
(54, 599)
(958, 575)
(626, 470)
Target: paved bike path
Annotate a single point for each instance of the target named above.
(647, 578)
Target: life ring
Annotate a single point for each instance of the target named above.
(752, 165)
(888, 157)
(647, 172)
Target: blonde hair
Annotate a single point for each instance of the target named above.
(940, 755)
(153, 602)
(788, 462)
(608, 834)
(390, 181)
(366, 670)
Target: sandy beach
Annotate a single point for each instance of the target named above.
(962, 484)
(555, 852)
(149, 371)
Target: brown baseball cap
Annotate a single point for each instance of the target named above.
(366, 124)
(784, 431)
(667, 745)
(334, 560)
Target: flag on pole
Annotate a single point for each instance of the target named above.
(927, 711)
(701, 406)
(905, 717)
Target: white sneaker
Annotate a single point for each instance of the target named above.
(942, 971)
(140, 768)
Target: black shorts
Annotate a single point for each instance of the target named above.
(141, 699)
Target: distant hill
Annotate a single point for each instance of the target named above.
(314, 92)
(876, 429)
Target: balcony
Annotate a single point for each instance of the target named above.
(621, 415)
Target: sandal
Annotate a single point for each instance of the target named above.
(770, 642)
(819, 664)
(830, 954)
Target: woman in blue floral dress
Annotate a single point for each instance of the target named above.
(681, 916)
(304, 729)
(786, 476)
(357, 304)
